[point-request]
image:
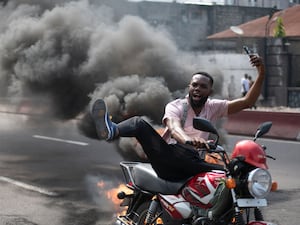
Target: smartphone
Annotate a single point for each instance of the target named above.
(247, 50)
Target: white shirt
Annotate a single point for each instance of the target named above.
(245, 85)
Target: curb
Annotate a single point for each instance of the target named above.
(286, 125)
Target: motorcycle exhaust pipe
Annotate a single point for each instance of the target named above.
(122, 195)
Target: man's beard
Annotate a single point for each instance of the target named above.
(198, 104)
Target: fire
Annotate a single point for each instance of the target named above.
(111, 194)
(101, 184)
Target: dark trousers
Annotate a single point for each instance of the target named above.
(170, 161)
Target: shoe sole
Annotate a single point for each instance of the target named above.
(100, 115)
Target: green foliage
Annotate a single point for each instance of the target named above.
(279, 30)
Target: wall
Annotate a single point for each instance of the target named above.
(286, 125)
(188, 24)
(227, 65)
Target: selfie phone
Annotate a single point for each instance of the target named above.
(246, 49)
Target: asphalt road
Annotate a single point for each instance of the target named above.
(50, 174)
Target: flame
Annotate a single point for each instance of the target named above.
(111, 194)
(101, 184)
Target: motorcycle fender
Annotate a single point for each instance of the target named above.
(260, 223)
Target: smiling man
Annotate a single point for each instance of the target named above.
(169, 154)
(179, 113)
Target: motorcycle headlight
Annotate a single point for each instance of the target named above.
(259, 183)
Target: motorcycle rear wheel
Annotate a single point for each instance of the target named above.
(164, 219)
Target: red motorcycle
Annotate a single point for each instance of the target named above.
(233, 196)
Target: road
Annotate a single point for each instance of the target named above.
(49, 174)
(50, 167)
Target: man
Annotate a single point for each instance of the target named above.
(231, 88)
(169, 155)
(245, 85)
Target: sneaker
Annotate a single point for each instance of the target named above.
(104, 126)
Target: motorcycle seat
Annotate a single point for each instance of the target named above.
(146, 178)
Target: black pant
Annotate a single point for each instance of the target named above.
(170, 161)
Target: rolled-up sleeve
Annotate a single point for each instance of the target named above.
(173, 110)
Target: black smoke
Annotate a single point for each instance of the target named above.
(65, 54)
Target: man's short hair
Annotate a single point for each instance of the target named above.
(211, 79)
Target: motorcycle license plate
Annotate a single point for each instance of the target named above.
(251, 202)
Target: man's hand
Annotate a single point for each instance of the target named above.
(236, 105)
(198, 142)
(257, 61)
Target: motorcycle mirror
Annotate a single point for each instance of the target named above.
(204, 125)
(263, 129)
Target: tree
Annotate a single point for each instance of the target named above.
(279, 30)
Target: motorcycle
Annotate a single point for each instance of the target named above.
(233, 196)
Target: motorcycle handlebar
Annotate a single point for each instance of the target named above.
(270, 157)
(212, 146)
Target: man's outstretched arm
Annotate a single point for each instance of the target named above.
(251, 97)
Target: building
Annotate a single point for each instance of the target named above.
(280, 4)
(188, 24)
(282, 55)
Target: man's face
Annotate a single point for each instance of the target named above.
(199, 90)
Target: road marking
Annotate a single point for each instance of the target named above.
(61, 140)
(29, 187)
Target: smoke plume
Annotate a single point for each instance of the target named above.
(64, 55)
